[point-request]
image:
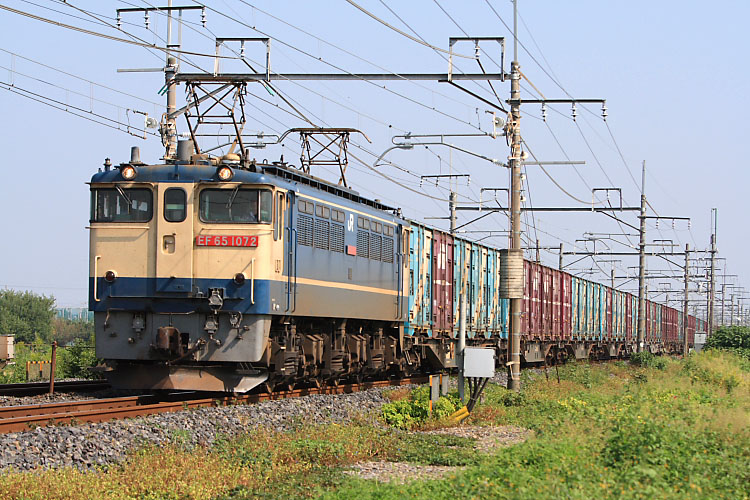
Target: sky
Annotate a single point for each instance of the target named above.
(673, 73)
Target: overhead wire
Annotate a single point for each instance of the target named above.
(102, 35)
(83, 113)
(72, 75)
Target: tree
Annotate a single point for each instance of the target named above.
(67, 331)
(733, 338)
(26, 315)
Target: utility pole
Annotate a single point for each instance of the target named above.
(452, 206)
(712, 284)
(642, 264)
(538, 257)
(168, 126)
(560, 264)
(514, 344)
(169, 71)
(685, 346)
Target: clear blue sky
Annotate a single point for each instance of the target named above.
(674, 74)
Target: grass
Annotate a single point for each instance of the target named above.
(681, 430)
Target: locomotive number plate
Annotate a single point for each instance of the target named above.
(216, 240)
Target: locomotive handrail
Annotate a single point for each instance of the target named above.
(294, 295)
(96, 278)
(117, 227)
(252, 281)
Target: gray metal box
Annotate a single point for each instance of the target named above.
(479, 362)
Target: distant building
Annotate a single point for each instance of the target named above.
(75, 313)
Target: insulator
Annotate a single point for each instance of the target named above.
(544, 111)
(657, 223)
(575, 111)
(604, 111)
(476, 50)
(688, 223)
(672, 223)
(242, 50)
(145, 19)
(203, 17)
(119, 21)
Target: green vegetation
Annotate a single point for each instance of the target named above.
(73, 361)
(646, 359)
(731, 338)
(26, 315)
(31, 319)
(604, 431)
(413, 411)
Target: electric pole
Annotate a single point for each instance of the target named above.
(514, 344)
(685, 346)
(560, 264)
(642, 265)
(712, 284)
(452, 206)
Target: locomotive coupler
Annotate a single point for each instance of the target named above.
(212, 326)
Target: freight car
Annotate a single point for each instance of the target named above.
(222, 275)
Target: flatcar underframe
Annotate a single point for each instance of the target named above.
(304, 351)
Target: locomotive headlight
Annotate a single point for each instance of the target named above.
(225, 174)
(239, 279)
(128, 172)
(110, 276)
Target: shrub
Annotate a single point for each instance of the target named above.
(414, 411)
(648, 360)
(731, 338)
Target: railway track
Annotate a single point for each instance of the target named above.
(36, 388)
(22, 418)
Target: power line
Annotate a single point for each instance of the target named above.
(77, 77)
(67, 108)
(418, 40)
(103, 35)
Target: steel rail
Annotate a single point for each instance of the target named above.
(33, 388)
(22, 418)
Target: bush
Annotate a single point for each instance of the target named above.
(731, 338)
(414, 411)
(648, 360)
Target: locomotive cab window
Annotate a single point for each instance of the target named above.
(121, 205)
(175, 205)
(236, 205)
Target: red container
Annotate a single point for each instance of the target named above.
(610, 332)
(546, 300)
(532, 301)
(629, 317)
(442, 282)
(567, 298)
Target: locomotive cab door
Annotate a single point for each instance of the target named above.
(174, 239)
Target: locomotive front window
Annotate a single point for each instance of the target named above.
(121, 205)
(236, 205)
(175, 205)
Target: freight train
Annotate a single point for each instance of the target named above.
(221, 274)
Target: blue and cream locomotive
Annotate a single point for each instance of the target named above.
(220, 275)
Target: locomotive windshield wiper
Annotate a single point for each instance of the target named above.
(124, 195)
(233, 196)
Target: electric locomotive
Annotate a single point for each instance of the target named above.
(220, 275)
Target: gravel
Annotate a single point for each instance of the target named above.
(90, 445)
(487, 439)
